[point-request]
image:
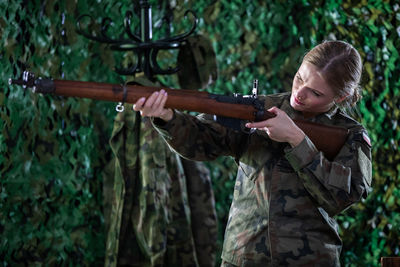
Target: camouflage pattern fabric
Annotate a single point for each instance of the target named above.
(202, 208)
(196, 59)
(284, 198)
(159, 208)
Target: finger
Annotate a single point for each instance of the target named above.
(158, 106)
(158, 102)
(150, 101)
(258, 125)
(164, 99)
(139, 104)
(274, 110)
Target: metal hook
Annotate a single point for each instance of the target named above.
(120, 107)
(144, 47)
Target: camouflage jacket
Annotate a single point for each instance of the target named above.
(284, 198)
(159, 208)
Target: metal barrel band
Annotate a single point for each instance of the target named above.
(120, 107)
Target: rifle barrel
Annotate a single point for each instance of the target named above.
(181, 99)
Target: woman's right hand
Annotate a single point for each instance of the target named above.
(154, 106)
(280, 128)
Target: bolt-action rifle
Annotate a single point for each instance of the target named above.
(328, 139)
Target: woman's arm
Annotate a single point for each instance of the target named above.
(335, 185)
(191, 137)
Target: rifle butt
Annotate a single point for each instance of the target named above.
(328, 139)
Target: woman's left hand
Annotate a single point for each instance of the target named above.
(281, 128)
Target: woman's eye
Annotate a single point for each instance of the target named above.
(316, 93)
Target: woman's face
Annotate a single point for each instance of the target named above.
(310, 93)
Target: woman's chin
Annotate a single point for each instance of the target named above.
(296, 106)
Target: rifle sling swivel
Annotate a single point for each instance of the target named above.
(120, 107)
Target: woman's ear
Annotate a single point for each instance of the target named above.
(340, 99)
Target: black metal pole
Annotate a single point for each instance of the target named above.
(146, 24)
(146, 34)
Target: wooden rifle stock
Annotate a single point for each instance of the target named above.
(328, 139)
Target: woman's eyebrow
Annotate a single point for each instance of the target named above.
(313, 89)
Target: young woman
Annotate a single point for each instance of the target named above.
(287, 192)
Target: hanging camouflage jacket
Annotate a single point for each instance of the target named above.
(284, 198)
(159, 209)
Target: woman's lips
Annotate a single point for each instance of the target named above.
(297, 101)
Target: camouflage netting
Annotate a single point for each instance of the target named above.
(53, 149)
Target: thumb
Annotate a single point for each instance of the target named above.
(274, 110)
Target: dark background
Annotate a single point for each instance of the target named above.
(53, 150)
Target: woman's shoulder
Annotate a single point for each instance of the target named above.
(354, 126)
(345, 120)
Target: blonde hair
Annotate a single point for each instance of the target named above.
(341, 66)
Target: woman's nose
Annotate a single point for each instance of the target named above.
(301, 93)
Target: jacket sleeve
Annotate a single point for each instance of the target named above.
(197, 138)
(337, 184)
